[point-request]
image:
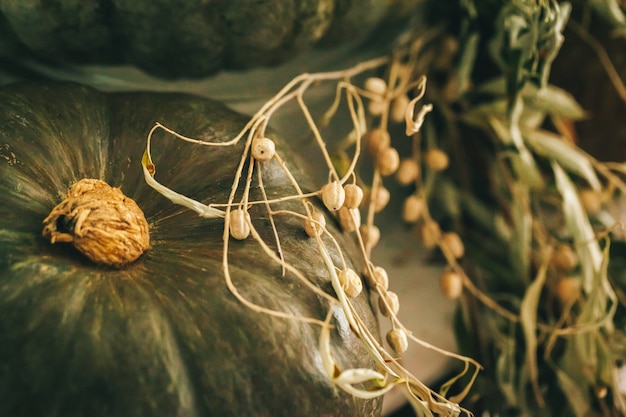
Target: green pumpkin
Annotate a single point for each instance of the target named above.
(191, 38)
(161, 336)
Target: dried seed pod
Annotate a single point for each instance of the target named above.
(378, 277)
(389, 304)
(381, 198)
(413, 208)
(263, 149)
(333, 195)
(349, 219)
(567, 289)
(452, 242)
(238, 225)
(376, 85)
(387, 161)
(451, 284)
(376, 107)
(354, 196)
(100, 222)
(436, 159)
(398, 108)
(564, 259)
(315, 225)
(350, 282)
(429, 234)
(397, 340)
(408, 171)
(591, 201)
(377, 140)
(370, 235)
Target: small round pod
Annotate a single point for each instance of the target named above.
(377, 140)
(408, 171)
(333, 195)
(451, 284)
(315, 225)
(567, 289)
(354, 196)
(238, 224)
(376, 85)
(350, 282)
(413, 208)
(263, 149)
(387, 161)
(389, 304)
(564, 258)
(452, 242)
(436, 159)
(381, 198)
(349, 219)
(377, 277)
(370, 235)
(429, 234)
(398, 108)
(376, 107)
(397, 340)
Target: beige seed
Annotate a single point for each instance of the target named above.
(567, 289)
(429, 234)
(381, 198)
(376, 85)
(378, 277)
(408, 171)
(387, 161)
(452, 243)
(238, 226)
(451, 284)
(376, 107)
(564, 258)
(436, 159)
(333, 195)
(591, 201)
(370, 235)
(398, 108)
(263, 149)
(354, 196)
(397, 340)
(315, 225)
(389, 304)
(349, 219)
(350, 282)
(413, 208)
(377, 140)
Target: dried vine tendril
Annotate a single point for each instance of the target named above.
(385, 99)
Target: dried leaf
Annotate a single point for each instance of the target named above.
(578, 224)
(553, 100)
(522, 161)
(569, 157)
(528, 321)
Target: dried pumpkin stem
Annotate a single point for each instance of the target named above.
(100, 222)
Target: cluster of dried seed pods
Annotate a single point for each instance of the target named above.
(346, 197)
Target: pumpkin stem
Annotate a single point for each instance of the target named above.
(101, 222)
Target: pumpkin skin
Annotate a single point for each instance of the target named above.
(192, 38)
(162, 336)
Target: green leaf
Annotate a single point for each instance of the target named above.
(577, 395)
(553, 147)
(610, 11)
(528, 321)
(553, 100)
(578, 225)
